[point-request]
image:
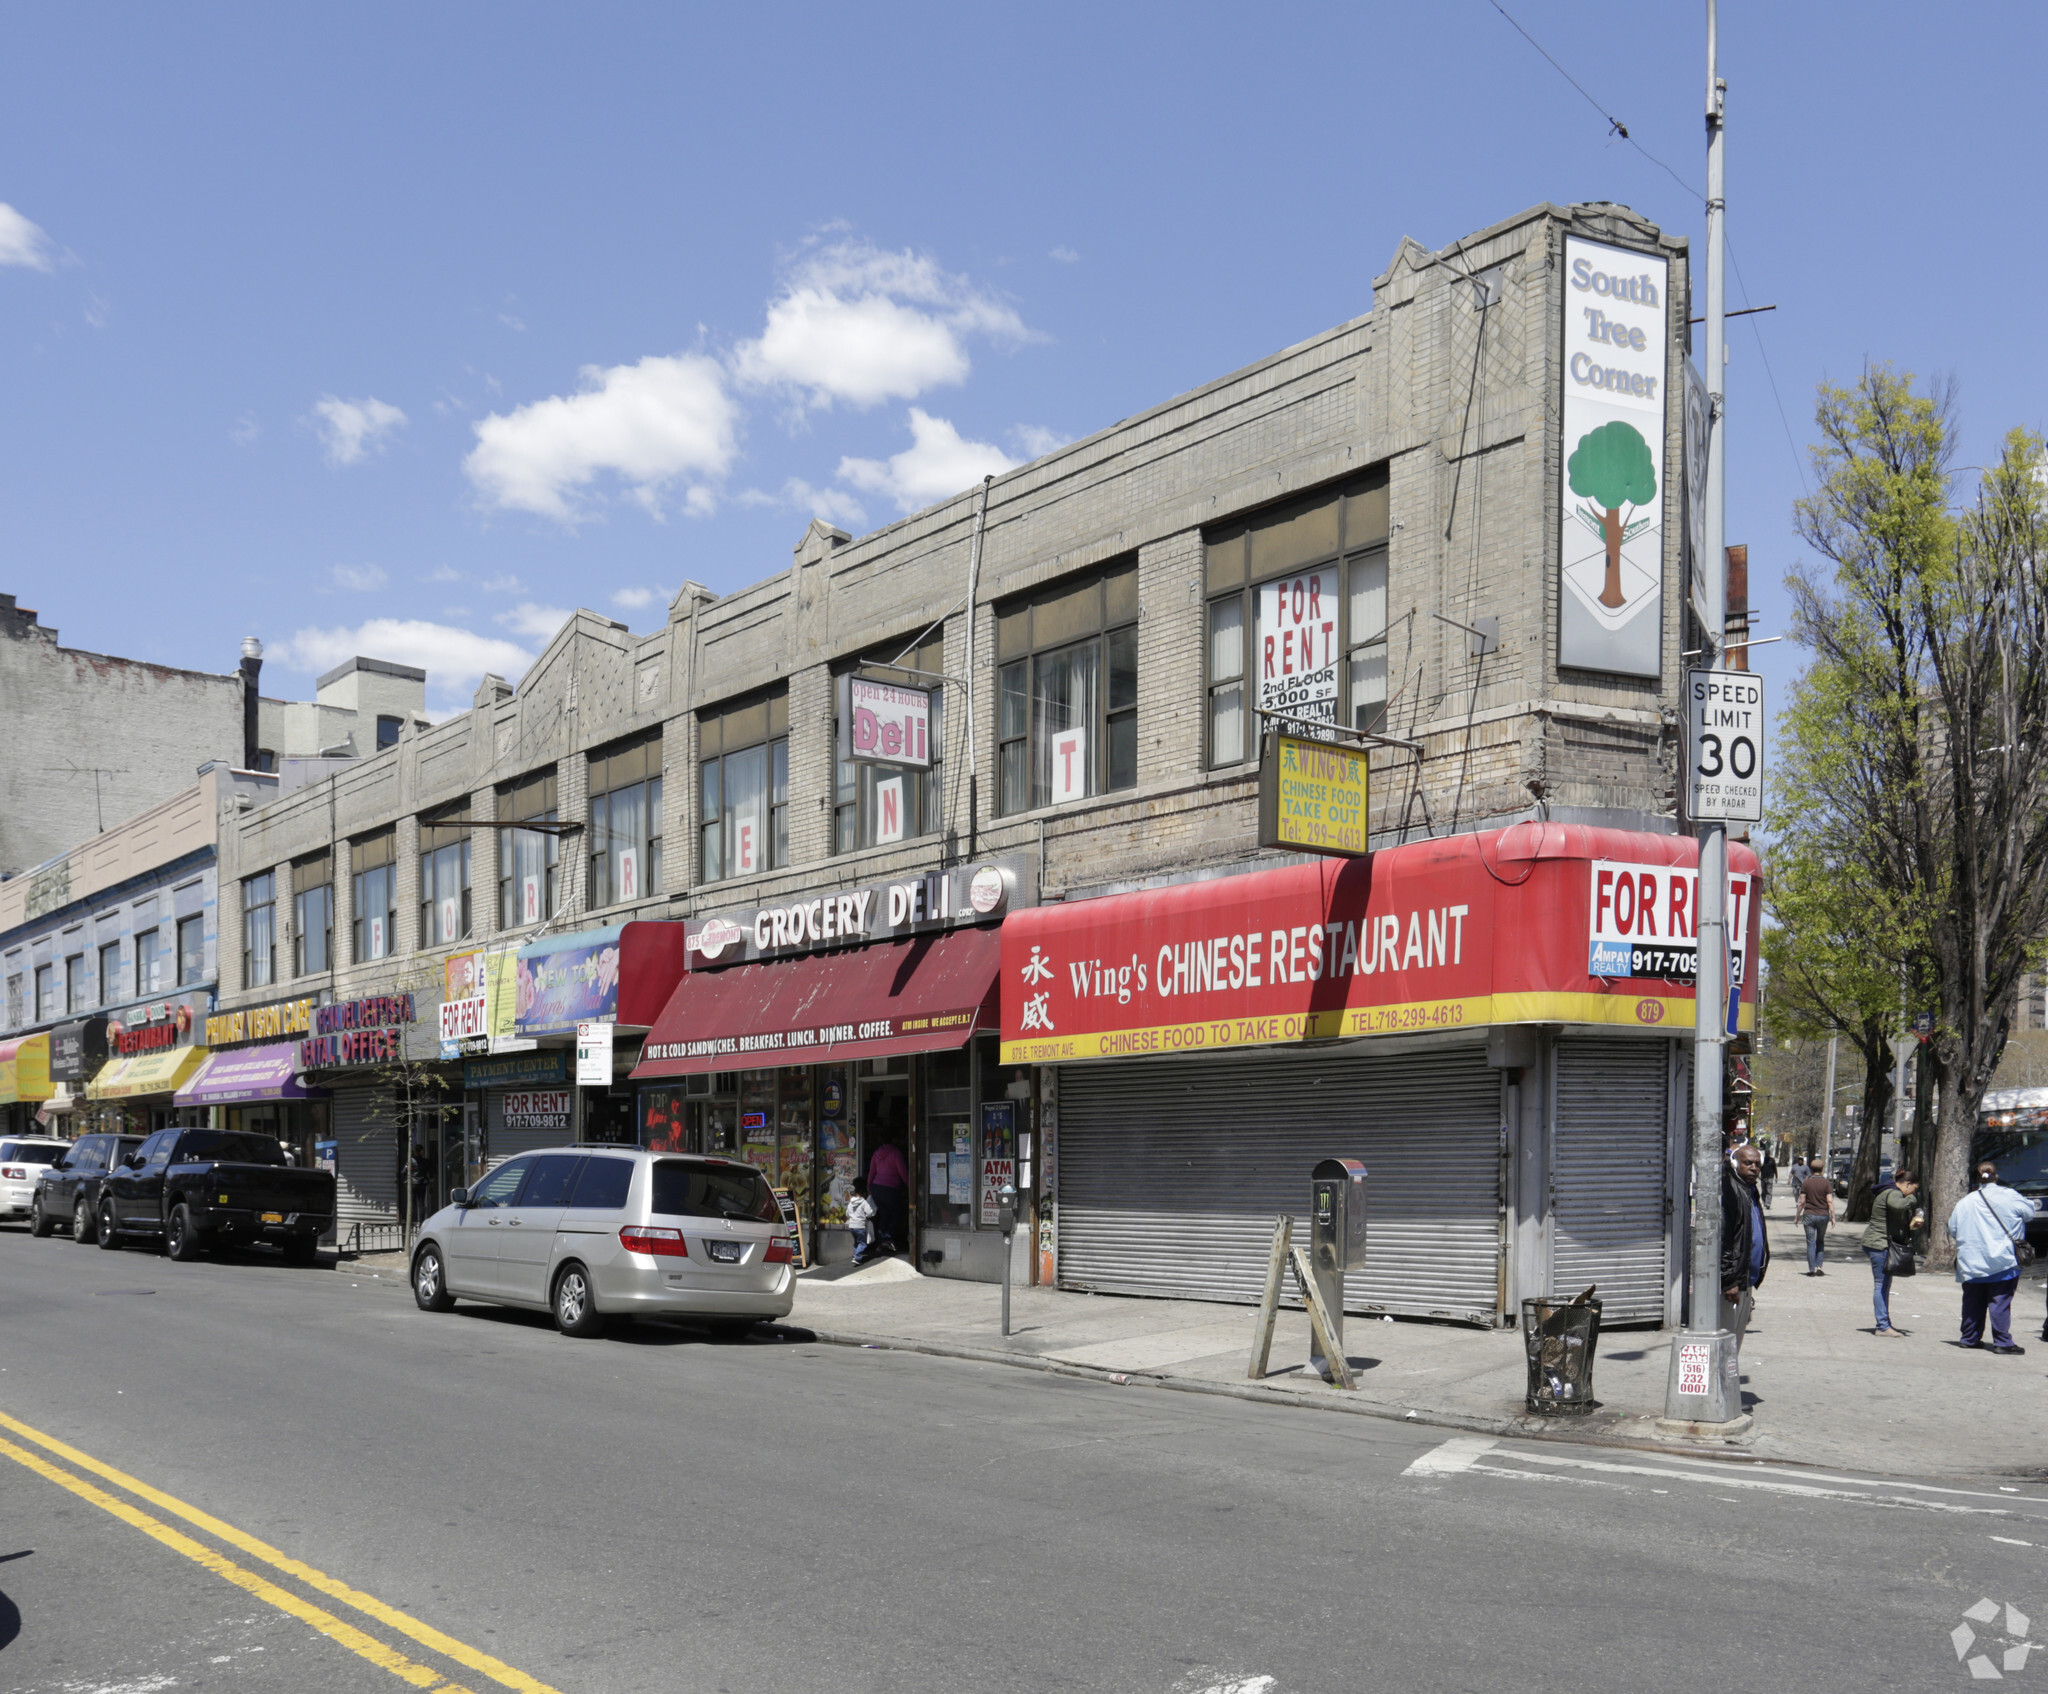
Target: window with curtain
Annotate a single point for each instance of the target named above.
(743, 787)
(625, 823)
(313, 915)
(1067, 690)
(191, 950)
(374, 883)
(875, 804)
(1296, 617)
(259, 930)
(529, 861)
(444, 877)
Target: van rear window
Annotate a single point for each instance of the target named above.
(686, 1190)
(33, 1152)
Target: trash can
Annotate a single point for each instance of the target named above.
(1559, 1337)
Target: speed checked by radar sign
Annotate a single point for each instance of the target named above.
(1724, 745)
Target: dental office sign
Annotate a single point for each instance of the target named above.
(1616, 358)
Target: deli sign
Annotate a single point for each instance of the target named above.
(884, 723)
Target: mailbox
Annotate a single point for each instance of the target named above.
(1336, 1235)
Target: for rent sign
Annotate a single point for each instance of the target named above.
(1644, 920)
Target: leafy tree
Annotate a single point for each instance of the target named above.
(1612, 467)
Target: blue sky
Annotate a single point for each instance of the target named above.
(405, 329)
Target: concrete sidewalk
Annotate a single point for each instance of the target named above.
(1824, 1388)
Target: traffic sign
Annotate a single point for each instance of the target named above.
(1724, 745)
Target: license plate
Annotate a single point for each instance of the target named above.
(273, 1217)
(726, 1252)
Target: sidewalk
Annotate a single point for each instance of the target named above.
(1823, 1387)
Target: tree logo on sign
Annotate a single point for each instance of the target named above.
(1612, 467)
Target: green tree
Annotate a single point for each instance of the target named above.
(1612, 467)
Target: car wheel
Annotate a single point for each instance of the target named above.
(576, 1312)
(181, 1240)
(109, 1237)
(429, 1284)
(40, 1223)
(82, 1229)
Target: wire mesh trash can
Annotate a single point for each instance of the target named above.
(1559, 1337)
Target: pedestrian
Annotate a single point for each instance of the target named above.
(1987, 1226)
(860, 1218)
(1770, 1173)
(1895, 1218)
(1802, 1168)
(889, 1183)
(1745, 1251)
(1815, 1210)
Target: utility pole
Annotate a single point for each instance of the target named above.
(1827, 1140)
(1703, 1391)
(973, 588)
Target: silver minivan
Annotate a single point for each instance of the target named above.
(590, 1233)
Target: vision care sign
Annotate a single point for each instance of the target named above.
(1724, 745)
(1313, 796)
(1616, 359)
(882, 723)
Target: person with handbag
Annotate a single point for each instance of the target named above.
(1989, 1228)
(1895, 1218)
(1815, 1209)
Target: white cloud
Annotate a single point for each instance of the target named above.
(454, 659)
(507, 584)
(536, 623)
(444, 573)
(633, 599)
(857, 324)
(21, 242)
(351, 428)
(834, 505)
(654, 423)
(1037, 442)
(937, 463)
(1064, 256)
(360, 579)
(245, 430)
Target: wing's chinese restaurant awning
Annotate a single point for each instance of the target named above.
(915, 996)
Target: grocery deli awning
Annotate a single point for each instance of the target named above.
(25, 1069)
(250, 1073)
(146, 1073)
(1539, 923)
(916, 996)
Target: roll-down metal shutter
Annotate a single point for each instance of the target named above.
(1609, 1175)
(1173, 1170)
(365, 1157)
(503, 1143)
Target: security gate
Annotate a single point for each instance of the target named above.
(1610, 1175)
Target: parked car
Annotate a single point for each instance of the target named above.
(22, 1163)
(69, 1192)
(590, 1234)
(191, 1188)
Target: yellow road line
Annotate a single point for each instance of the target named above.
(369, 1605)
(419, 1675)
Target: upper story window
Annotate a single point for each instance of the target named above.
(149, 961)
(1067, 686)
(743, 754)
(387, 732)
(444, 878)
(625, 823)
(259, 930)
(47, 990)
(313, 915)
(17, 994)
(191, 950)
(1296, 621)
(876, 804)
(374, 926)
(110, 973)
(529, 862)
(75, 997)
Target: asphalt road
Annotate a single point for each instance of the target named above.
(665, 1512)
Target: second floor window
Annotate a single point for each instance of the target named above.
(17, 1011)
(313, 916)
(444, 880)
(875, 804)
(191, 950)
(743, 774)
(259, 930)
(1067, 690)
(625, 824)
(110, 972)
(75, 999)
(47, 987)
(373, 927)
(529, 861)
(149, 962)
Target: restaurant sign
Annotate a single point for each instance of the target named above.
(1313, 796)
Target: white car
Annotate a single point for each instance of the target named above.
(22, 1163)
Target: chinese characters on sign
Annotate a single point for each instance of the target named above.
(1313, 796)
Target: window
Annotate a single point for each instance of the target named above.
(191, 950)
(16, 1000)
(149, 965)
(259, 930)
(313, 916)
(46, 994)
(683, 1190)
(602, 1184)
(110, 972)
(553, 1177)
(1291, 590)
(501, 1187)
(444, 878)
(528, 861)
(1067, 690)
(374, 929)
(743, 775)
(387, 732)
(625, 823)
(74, 983)
(875, 804)
(266, 760)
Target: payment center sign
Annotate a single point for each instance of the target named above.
(1644, 921)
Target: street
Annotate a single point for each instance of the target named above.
(658, 1511)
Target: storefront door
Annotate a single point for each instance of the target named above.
(885, 1120)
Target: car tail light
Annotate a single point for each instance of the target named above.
(666, 1243)
(781, 1251)
(15, 1173)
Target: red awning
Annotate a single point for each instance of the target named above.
(916, 996)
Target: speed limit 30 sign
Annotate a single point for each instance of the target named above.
(1724, 745)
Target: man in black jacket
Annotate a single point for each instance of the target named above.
(1745, 1252)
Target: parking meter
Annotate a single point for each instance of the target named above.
(1336, 1232)
(1006, 1209)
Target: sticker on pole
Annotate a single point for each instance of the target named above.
(1693, 1360)
(1724, 745)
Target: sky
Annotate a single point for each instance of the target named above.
(406, 330)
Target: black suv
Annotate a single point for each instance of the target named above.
(69, 1191)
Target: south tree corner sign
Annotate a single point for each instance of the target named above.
(1616, 340)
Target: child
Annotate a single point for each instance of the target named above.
(860, 1218)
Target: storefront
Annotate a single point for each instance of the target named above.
(24, 1083)
(257, 1090)
(152, 1053)
(1498, 1025)
(387, 1097)
(806, 1036)
(524, 1099)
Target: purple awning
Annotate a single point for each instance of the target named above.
(250, 1073)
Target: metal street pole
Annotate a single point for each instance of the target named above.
(1704, 1386)
(1827, 1140)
